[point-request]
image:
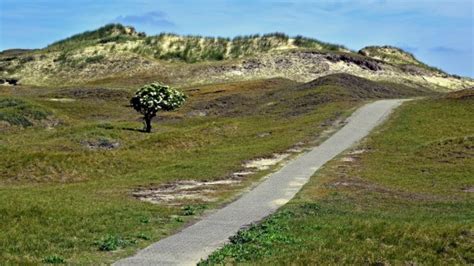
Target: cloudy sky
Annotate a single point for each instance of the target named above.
(439, 32)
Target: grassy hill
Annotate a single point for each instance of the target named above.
(115, 51)
(67, 186)
(404, 196)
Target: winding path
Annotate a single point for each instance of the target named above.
(202, 238)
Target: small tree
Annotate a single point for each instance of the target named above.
(150, 99)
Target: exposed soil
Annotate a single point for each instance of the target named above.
(176, 192)
(180, 192)
(266, 163)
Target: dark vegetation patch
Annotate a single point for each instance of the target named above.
(14, 52)
(345, 182)
(305, 42)
(353, 87)
(302, 98)
(449, 150)
(363, 62)
(101, 144)
(53, 259)
(9, 81)
(113, 242)
(22, 113)
(232, 99)
(92, 93)
(94, 36)
(306, 97)
(466, 94)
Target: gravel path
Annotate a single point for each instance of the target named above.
(202, 238)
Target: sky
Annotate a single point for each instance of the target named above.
(438, 32)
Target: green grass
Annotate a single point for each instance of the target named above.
(64, 202)
(18, 112)
(403, 201)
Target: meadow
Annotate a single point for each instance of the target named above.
(71, 159)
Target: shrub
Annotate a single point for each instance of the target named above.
(94, 59)
(154, 97)
(112, 242)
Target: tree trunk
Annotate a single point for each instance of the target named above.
(147, 124)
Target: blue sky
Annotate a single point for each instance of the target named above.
(439, 32)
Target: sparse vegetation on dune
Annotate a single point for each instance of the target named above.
(108, 33)
(119, 51)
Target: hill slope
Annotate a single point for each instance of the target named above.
(116, 52)
(404, 196)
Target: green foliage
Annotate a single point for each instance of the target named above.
(194, 48)
(277, 35)
(94, 59)
(256, 241)
(154, 97)
(53, 259)
(117, 39)
(145, 220)
(26, 59)
(305, 42)
(143, 236)
(112, 242)
(62, 58)
(189, 210)
(107, 33)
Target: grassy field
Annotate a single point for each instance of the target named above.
(404, 196)
(63, 201)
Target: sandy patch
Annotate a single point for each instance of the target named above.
(176, 192)
(61, 100)
(469, 190)
(348, 159)
(266, 163)
(356, 152)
